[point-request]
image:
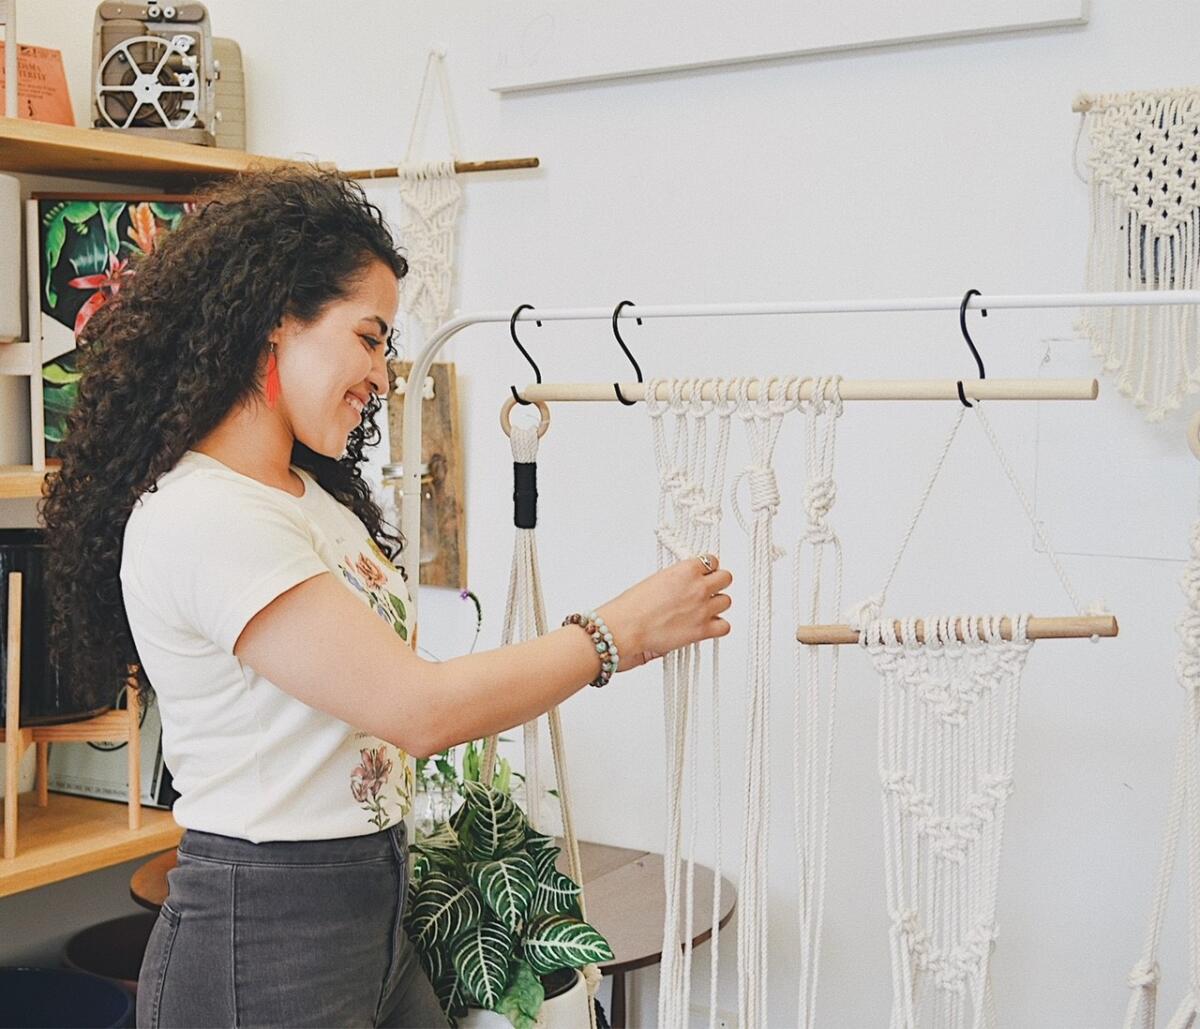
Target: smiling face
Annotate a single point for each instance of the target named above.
(328, 368)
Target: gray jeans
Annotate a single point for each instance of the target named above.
(304, 933)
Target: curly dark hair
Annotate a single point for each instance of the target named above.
(168, 357)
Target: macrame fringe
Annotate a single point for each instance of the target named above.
(1145, 235)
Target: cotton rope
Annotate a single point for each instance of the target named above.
(762, 419)
(524, 619)
(432, 200)
(1145, 234)
(1183, 808)
(812, 755)
(947, 736)
(692, 482)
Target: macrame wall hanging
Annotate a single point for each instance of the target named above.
(1183, 814)
(432, 200)
(1144, 160)
(947, 735)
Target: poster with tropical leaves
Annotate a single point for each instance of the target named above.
(88, 245)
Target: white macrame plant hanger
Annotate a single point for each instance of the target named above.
(691, 485)
(525, 619)
(1183, 817)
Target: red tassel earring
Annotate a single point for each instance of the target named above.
(273, 387)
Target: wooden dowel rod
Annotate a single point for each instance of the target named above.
(1082, 104)
(851, 389)
(1074, 627)
(462, 167)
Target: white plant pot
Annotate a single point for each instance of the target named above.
(10, 258)
(566, 1011)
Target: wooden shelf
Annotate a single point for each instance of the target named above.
(39, 148)
(75, 835)
(19, 482)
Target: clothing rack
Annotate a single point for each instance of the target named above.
(410, 518)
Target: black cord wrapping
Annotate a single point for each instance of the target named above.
(525, 494)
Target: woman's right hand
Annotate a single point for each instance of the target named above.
(679, 605)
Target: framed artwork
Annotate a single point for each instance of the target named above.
(85, 246)
(443, 543)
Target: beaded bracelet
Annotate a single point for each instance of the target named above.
(594, 626)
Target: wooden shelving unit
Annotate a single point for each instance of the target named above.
(19, 482)
(75, 835)
(39, 148)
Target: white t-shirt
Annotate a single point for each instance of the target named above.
(202, 555)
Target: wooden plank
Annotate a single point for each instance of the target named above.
(441, 447)
(75, 835)
(19, 482)
(44, 149)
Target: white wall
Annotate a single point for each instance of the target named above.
(913, 171)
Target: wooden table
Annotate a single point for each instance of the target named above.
(624, 896)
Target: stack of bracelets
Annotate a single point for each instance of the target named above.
(595, 627)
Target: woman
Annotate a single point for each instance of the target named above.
(211, 524)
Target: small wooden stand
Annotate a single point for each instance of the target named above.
(113, 725)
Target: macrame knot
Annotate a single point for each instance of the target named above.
(818, 501)
(862, 614)
(1143, 974)
(674, 479)
(907, 930)
(764, 488)
(707, 514)
(666, 535)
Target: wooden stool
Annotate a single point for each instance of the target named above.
(148, 884)
(113, 725)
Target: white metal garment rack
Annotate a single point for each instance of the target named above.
(410, 516)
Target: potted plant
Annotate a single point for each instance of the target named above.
(493, 920)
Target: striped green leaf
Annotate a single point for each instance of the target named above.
(446, 984)
(442, 910)
(497, 825)
(507, 885)
(442, 840)
(560, 941)
(544, 853)
(522, 1000)
(556, 894)
(440, 850)
(482, 957)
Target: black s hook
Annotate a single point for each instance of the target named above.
(962, 324)
(512, 331)
(616, 332)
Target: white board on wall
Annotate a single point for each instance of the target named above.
(544, 43)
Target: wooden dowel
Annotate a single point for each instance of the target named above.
(851, 389)
(1074, 627)
(1082, 104)
(461, 167)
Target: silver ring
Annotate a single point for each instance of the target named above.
(705, 560)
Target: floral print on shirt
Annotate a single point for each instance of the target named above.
(369, 778)
(366, 576)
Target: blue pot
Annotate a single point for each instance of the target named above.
(41, 998)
